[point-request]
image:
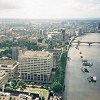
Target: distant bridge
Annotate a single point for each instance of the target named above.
(79, 42)
(87, 42)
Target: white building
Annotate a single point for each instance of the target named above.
(35, 65)
(24, 97)
(58, 36)
(10, 66)
(4, 96)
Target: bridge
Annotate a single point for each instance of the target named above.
(79, 42)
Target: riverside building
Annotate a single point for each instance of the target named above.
(35, 66)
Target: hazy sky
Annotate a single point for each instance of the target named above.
(49, 9)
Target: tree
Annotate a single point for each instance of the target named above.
(50, 45)
(21, 83)
(57, 87)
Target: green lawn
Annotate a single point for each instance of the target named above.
(43, 92)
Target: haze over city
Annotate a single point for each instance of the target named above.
(49, 49)
(49, 9)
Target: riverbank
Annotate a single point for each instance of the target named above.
(58, 85)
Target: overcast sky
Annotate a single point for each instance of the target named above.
(49, 9)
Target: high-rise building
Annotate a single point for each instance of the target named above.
(35, 66)
(15, 53)
(63, 33)
(98, 27)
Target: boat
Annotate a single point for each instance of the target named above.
(92, 79)
(84, 60)
(84, 70)
(87, 64)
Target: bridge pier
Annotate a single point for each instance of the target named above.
(89, 44)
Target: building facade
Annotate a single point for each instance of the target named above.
(15, 53)
(56, 56)
(10, 66)
(58, 36)
(98, 27)
(35, 66)
(3, 78)
(4, 96)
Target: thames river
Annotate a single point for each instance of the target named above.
(77, 86)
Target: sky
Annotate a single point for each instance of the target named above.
(49, 9)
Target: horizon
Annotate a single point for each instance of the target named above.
(50, 18)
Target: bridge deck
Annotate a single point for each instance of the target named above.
(87, 42)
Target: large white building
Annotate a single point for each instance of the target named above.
(58, 36)
(10, 66)
(35, 65)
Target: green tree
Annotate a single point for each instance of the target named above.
(21, 83)
(57, 87)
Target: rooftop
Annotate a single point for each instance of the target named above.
(7, 62)
(2, 74)
(24, 97)
(2, 50)
(55, 32)
(32, 54)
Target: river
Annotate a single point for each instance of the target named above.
(77, 86)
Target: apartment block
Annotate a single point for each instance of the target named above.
(56, 56)
(10, 66)
(3, 78)
(35, 66)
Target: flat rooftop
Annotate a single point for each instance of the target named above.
(2, 50)
(7, 62)
(55, 32)
(31, 54)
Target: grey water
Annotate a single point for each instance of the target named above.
(77, 86)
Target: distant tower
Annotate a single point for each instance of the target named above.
(41, 32)
(15, 53)
(98, 27)
(80, 31)
(63, 32)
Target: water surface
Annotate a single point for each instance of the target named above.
(77, 86)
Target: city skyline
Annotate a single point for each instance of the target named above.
(49, 9)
